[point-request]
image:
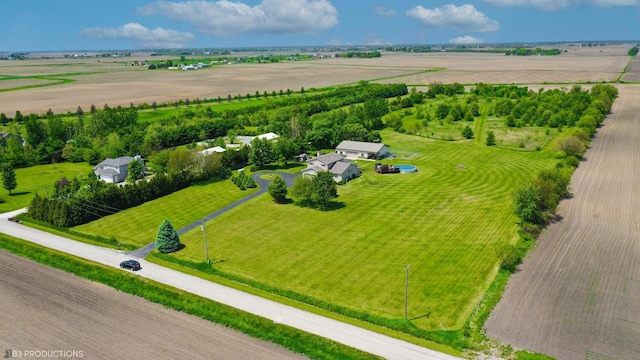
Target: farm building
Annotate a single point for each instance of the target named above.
(341, 168)
(215, 149)
(115, 170)
(362, 150)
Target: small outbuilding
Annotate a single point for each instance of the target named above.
(362, 150)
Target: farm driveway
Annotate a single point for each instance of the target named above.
(577, 296)
(366, 340)
(262, 183)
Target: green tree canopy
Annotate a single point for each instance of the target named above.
(278, 189)
(324, 188)
(167, 240)
(135, 170)
(467, 132)
(262, 152)
(303, 189)
(9, 181)
(491, 138)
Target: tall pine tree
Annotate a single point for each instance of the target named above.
(9, 181)
(167, 240)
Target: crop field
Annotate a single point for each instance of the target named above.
(100, 81)
(576, 296)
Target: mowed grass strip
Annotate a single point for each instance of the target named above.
(139, 226)
(445, 221)
(39, 179)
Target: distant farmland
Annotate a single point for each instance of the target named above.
(115, 83)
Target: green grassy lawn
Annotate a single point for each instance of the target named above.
(444, 221)
(525, 138)
(139, 225)
(39, 179)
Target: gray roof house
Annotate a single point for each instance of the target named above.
(115, 170)
(362, 150)
(4, 138)
(341, 168)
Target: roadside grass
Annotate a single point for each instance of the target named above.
(315, 347)
(443, 220)
(39, 179)
(138, 226)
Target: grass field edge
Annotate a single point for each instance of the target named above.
(295, 340)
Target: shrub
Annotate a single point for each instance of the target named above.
(510, 257)
(572, 161)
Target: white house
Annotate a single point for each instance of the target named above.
(115, 170)
(215, 149)
(341, 168)
(362, 150)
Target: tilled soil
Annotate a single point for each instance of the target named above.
(577, 296)
(48, 313)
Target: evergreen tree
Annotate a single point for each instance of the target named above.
(491, 138)
(167, 240)
(9, 178)
(278, 189)
(467, 132)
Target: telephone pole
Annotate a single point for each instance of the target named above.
(204, 234)
(406, 292)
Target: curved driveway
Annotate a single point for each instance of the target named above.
(262, 184)
(349, 335)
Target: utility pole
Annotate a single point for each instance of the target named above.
(204, 234)
(406, 292)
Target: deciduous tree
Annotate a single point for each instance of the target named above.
(278, 189)
(324, 188)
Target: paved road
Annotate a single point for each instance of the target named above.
(49, 309)
(349, 335)
(262, 183)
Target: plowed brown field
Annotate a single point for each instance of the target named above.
(44, 310)
(577, 296)
(114, 83)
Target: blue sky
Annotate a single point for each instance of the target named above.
(46, 25)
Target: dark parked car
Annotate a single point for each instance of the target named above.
(130, 264)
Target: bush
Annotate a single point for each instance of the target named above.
(572, 161)
(510, 257)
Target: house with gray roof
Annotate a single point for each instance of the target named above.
(115, 170)
(341, 168)
(362, 150)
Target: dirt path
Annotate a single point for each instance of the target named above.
(577, 296)
(44, 309)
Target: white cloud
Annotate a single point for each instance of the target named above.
(375, 39)
(562, 4)
(466, 40)
(383, 11)
(462, 18)
(228, 19)
(142, 36)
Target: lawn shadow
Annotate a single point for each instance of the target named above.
(20, 193)
(421, 316)
(333, 205)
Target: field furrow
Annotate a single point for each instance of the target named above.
(571, 298)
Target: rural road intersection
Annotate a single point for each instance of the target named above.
(349, 335)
